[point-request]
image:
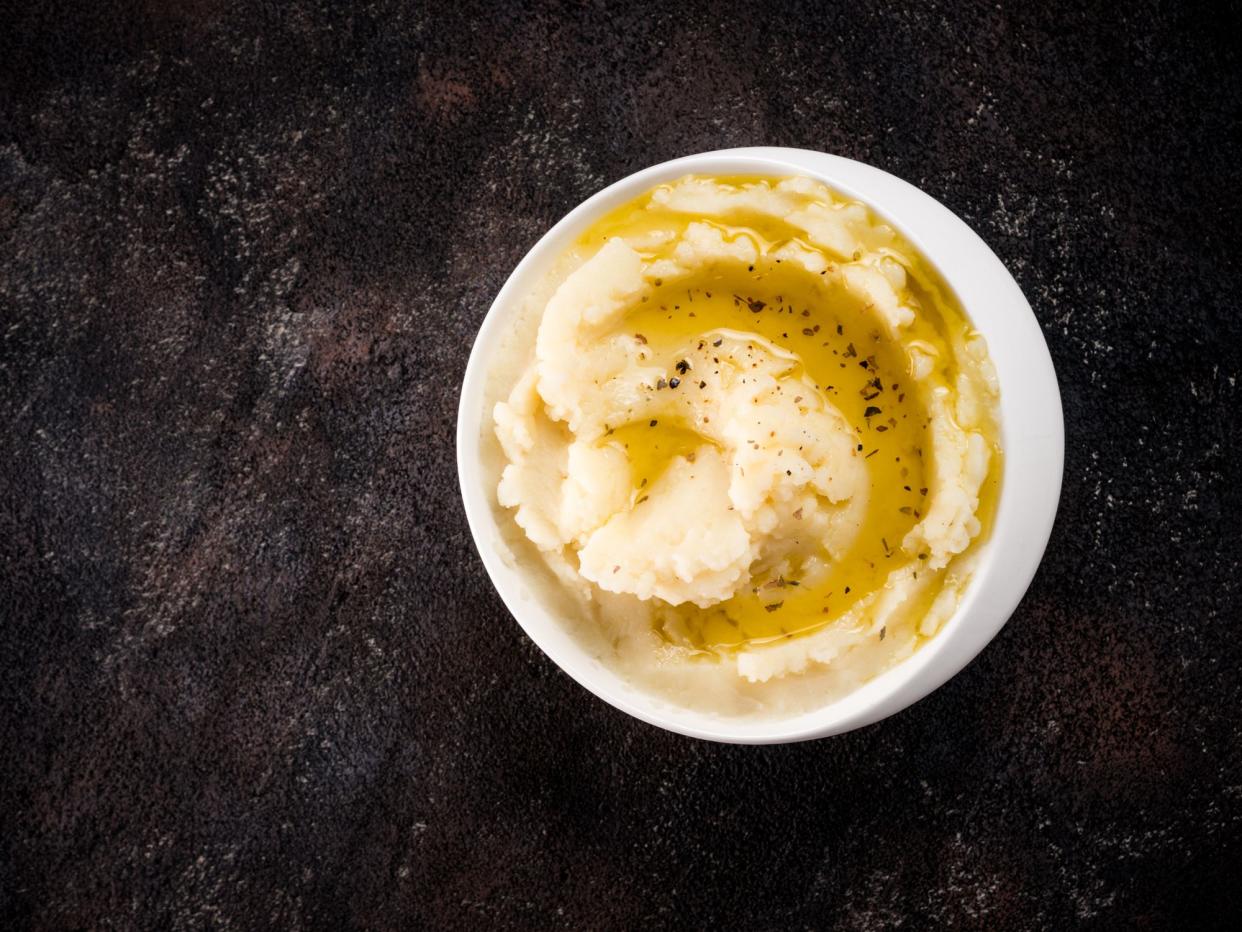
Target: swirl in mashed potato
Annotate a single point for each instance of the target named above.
(754, 441)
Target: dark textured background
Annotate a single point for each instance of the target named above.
(252, 671)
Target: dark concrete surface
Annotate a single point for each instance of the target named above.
(252, 673)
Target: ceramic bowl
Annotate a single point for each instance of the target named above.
(1031, 426)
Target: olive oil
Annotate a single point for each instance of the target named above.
(839, 343)
(651, 447)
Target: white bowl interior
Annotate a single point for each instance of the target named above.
(1032, 439)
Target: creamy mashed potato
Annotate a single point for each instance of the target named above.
(752, 438)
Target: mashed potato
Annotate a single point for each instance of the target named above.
(752, 438)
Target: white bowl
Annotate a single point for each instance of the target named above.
(1032, 437)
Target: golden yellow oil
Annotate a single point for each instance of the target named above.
(841, 346)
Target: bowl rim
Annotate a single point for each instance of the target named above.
(1032, 465)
